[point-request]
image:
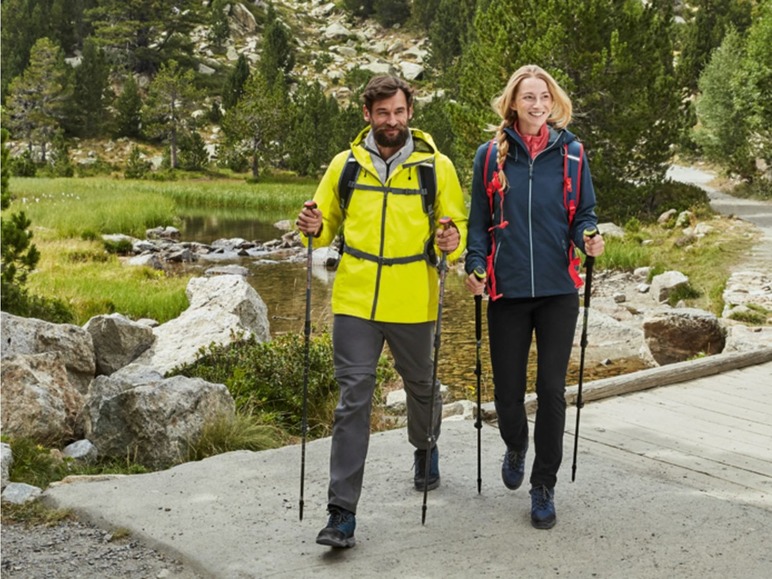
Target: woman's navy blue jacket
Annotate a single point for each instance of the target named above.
(532, 252)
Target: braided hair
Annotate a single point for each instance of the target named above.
(503, 105)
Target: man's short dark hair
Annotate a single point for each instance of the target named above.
(383, 87)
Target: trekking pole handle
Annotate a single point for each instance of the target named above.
(480, 274)
(446, 222)
(592, 232)
(310, 205)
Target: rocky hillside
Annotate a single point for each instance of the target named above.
(329, 43)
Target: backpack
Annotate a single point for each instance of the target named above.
(573, 153)
(427, 181)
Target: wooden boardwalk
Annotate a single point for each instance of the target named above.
(716, 428)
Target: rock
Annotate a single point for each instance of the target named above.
(118, 341)
(222, 309)
(81, 450)
(747, 287)
(676, 335)
(20, 493)
(39, 401)
(666, 283)
(336, 30)
(31, 336)
(6, 461)
(136, 412)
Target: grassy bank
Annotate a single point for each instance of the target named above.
(70, 215)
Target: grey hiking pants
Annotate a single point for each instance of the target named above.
(357, 346)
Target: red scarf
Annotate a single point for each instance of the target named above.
(535, 143)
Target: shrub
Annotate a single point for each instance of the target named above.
(267, 378)
(136, 167)
(24, 165)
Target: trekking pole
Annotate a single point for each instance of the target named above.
(479, 273)
(307, 362)
(589, 261)
(445, 222)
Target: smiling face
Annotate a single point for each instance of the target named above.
(533, 104)
(389, 122)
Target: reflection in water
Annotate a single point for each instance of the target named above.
(208, 227)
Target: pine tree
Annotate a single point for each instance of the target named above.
(37, 100)
(219, 30)
(92, 94)
(425, 12)
(707, 24)
(19, 255)
(234, 84)
(171, 98)
(277, 55)
(310, 142)
(448, 30)
(128, 110)
(389, 13)
(140, 35)
(255, 123)
(723, 131)
(757, 68)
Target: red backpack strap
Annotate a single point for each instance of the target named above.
(572, 183)
(493, 186)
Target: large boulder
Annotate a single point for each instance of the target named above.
(676, 335)
(222, 309)
(136, 412)
(118, 341)
(31, 336)
(39, 401)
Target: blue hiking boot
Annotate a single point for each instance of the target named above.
(513, 468)
(420, 469)
(543, 507)
(339, 532)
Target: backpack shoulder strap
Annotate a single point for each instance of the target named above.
(427, 179)
(572, 185)
(347, 180)
(572, 177)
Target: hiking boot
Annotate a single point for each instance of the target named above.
(543, 507)
(339, 532)
(513, 468)
(420, 469)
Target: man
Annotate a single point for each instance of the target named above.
(386, 285)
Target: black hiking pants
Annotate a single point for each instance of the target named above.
(511, 326)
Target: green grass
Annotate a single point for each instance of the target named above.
(94, 282)
(706, 261)
(97, 205)
(240, 432)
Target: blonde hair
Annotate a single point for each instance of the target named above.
(559, 117)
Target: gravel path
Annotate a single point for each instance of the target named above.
(74, 549)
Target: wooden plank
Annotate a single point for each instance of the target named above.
(666, 375)
(733, 404)
(706, 401)
(755, 474)
(710, 423)
(672, 424)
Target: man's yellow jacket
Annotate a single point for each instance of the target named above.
(384, 223)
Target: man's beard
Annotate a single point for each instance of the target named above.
(397, 141)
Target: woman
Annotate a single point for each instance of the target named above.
(532, 202)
